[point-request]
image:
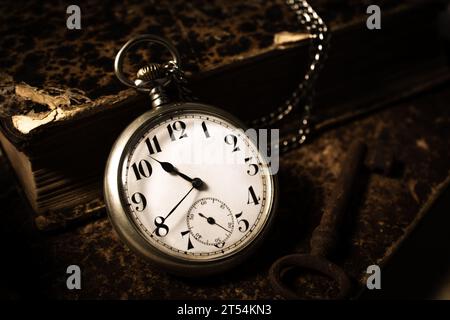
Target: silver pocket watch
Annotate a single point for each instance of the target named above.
(184, 186)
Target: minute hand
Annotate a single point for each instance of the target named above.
(176, 206)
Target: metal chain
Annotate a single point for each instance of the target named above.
(303, 93)
(184, 93)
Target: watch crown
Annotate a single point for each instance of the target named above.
(151, 75)
(154, 76)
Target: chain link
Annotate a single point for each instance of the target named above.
(303, 93)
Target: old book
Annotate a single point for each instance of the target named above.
(62, 107)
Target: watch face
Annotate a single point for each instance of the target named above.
(194, 186)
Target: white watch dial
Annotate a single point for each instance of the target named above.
(197, 187)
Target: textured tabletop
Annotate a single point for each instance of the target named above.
(386, 212)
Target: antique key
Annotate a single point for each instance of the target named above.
(325, 235)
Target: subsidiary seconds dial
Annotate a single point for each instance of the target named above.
(210, 222)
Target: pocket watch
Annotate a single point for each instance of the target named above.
(185, 186)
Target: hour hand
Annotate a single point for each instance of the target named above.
(197, 183)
